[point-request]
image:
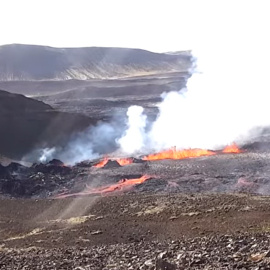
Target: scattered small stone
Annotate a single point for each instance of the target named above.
(256, 257)
(191, 214)
(98, 218)
(149, 263)
(96, 232)
(162, 255)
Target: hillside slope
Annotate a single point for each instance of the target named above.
(31, 62)
(27, 124)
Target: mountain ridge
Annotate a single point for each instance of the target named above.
(19, 62)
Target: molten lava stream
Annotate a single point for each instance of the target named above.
(233, 148)
(191, 153)
(175, 154)
(102, 163)
(179, 154)
(120, 186)
(124, 161)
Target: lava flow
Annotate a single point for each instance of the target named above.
(190, 153)
(179, 154)
(124, 161)
(233, 148)
(173, 153)
(122, 185)
(102, 163)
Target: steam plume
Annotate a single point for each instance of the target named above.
(87, 145)
(47, 154)
(133, 139)
(228, 93)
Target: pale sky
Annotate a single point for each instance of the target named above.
(157, 25)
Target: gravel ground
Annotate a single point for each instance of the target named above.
(225, 252)
(176, 231)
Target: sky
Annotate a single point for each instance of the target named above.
(160, 26)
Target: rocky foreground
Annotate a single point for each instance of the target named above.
(225, 252)
(136, 232)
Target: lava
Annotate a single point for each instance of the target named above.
(191, 153)
(122, 185)
(124, 161)
(102, 163)
(233, 148)
(173, 153)
(179, 154)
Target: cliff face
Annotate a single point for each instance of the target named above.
(30, 62)
(26, 124)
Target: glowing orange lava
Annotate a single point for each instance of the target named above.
(233, 148)
(179, 154)
(102, 163)
(124, 161)
(173, 153)
(190, 153)
(122, 185)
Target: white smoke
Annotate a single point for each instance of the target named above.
(228, 94)
(89, 144)
(133, 139)
(47, 154)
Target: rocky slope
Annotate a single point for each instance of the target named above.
(29, 62)
(26, 123)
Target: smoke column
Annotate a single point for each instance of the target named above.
(47, 154)
(86, 145)
(228, 94)
(133, 139)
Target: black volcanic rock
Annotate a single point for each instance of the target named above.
(138, 160)
(27, 124)
(111, 164)
(30, 62)
(3, 170)
(51, 168)
(15, 167)
(56, 162)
